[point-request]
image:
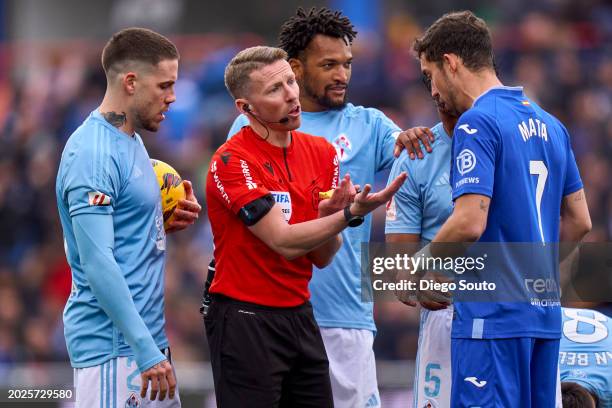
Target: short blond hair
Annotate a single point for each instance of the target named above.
(239, 69)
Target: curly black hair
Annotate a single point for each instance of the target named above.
(297, 32)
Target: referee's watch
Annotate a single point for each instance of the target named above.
(353, 220)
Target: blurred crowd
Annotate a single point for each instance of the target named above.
(563, 61)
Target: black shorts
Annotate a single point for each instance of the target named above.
(266, 357)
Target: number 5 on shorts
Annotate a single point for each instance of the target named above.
(432, 387)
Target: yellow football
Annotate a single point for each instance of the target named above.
(170, 187)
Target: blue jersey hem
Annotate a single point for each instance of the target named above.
(102, 360)
(508, 335)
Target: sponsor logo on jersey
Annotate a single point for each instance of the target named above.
(373, 401)
(269, 167)
(475, 382)
(391, 210)
(225, 156)
(466, 128)
(466, 161)
(283, 199)
(467, 180)
(443, 180)
(251, 185)
(98, 198)
(213, 166)
(343, 146)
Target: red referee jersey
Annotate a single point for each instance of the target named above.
(246, 168)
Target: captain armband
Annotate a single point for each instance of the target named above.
(254, 211)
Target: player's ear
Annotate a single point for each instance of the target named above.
(452, 61)
(129, 82)
(297, 67)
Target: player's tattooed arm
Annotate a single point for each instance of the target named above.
(484, 206)
(115, 119)
(579, 196)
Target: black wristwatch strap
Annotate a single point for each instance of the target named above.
(353, 220)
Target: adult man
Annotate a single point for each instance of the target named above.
(110, 208)
(505, 168)
(262, 196)
(318, 44)
(585, 358)
(414, 215)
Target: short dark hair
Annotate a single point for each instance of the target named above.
(297, 32)
(460, 33)
(238, 70)
(574, 395)
(137, 45)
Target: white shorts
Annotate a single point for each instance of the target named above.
(115, 384)
(352, 367)
(432, 379)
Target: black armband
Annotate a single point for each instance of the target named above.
(254, 211)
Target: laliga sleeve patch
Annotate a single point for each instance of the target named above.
(254, 211)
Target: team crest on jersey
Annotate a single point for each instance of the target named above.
(133, 401)
(343, 146)
(98, 198)
(283, 199)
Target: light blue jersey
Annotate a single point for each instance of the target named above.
(424, 201)
(364, 139)
(104, 171)
(585, 355)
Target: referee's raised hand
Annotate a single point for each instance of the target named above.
(366, 202)
(162, 381)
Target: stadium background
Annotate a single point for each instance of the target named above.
(51, 78)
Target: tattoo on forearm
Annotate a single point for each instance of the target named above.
(579, 197)
(114, 118)
(484, 207)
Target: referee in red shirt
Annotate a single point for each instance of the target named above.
(269, 228)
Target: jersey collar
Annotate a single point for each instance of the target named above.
(496, 89)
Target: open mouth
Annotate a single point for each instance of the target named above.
(295, 111)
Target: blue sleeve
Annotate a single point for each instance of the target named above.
(475, 147)
(92, 182)
(95, 239)
(386, 135)
(573, 182)
(405, 210)
(239, 122)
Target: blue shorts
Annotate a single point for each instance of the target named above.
(516, 372)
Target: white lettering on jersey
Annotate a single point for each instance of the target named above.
(533, 128)
(218, 183)
(283, 199)
(251, 185)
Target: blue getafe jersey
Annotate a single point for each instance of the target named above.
(423, 202)
(508, 148)
(585, 355)
(105, 171)
(364, 139)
